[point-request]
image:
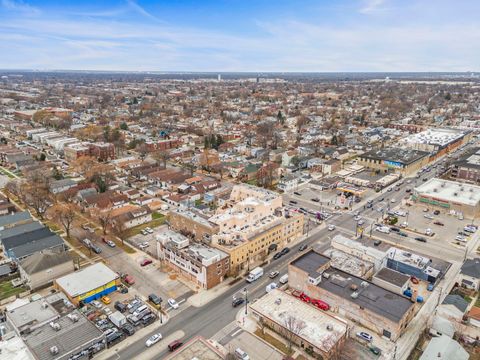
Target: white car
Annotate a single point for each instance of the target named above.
(393, 200)
(149, 230)
(144, 232)
(152, 340)
(356, 218)
(331, 227)
(172, 303)
(361, 222)
(383, 229)
(144, 245)
(428, 216)
(97, 304)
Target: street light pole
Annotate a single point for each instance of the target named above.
(246, 300)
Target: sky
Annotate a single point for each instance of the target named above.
(243, 35)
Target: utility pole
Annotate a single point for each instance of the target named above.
(246, 300)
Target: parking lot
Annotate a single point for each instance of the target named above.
(147, 241)
(135, 314)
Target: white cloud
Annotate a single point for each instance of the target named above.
(372, 6)
(20, 6)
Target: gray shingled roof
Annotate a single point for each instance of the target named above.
(44, 260)
(471, 267)
(457, 301)
(35, 246)
(11, 219)
(25, 237)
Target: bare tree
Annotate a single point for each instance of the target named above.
(65, 214)
(120, 231)
(293, 328)
(104, 218)
(161, 156)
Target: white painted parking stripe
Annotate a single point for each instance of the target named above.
(236, 332)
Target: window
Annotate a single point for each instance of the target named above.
(387, 333)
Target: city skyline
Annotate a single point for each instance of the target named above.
(356, 36)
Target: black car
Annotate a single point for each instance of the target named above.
(120, 306)
(377, 242)
(293, 202)
(421, 239)
(237, 302)
(96, 249)
(272, 247)
(395, 229)
(148, 319)
(285, 251)
(303, 247)
(277, 256)
(379, 200)
(154, 299)
(436, 212)
(297, 193)
(128, 329)
(316, 199)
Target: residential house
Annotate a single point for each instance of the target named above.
(469, 276)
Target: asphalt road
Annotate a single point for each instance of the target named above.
(218, 313)
(211, 318)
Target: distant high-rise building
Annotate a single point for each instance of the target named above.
(219, 77)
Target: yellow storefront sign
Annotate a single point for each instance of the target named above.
(97, 290)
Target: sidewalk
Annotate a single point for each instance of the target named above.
(203, 297)
(139, 334)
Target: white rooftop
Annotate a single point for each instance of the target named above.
(278, 306)
(87, 279)
(435, 136)
(450, 191)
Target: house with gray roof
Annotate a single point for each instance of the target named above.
(469, 276)
(41, 268)
(444, 348)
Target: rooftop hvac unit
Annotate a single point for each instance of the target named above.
(455, 194)
(354, 295)
(326, 275)
(73, 317)
(54, 350)
(329, 327)
(364, 284)
(44, 305)
(55, 326)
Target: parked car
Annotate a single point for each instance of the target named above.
(173, 303)
(120, 306)
(436, 212)
(331, 227)
(278, 255)
(237, 302)
(144, 245)
(377, 242)
(111, 243)
(320, 304)
(144, 232)
(428, 216)
(152, 340)
(421, 239)
(174, 345)
(149, 230)
(365, 336)
(297, 193)
(128, 279)
(375, 350)
(302, 247)
(106, 300)
(395, 229)
(155, 299)
(146, 262)
(128, 329)
(293, 202)
(438, 223)
(148, 319)
(305, 298)
(285, 251)
(404, 234)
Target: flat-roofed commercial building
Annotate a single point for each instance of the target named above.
(361, 301)
(88, 284)
(320, 332)
(450, 195)
(467, 168)
(437, 141)
(403, 161)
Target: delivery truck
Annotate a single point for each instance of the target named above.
(255, 274)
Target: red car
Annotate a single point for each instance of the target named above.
(146, 262)
(129, 279)
(305, 298)
(320, 304)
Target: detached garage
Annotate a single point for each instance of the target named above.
(88, 284)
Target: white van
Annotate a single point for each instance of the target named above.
(284, 279)
(240, 354)
(271, 286)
